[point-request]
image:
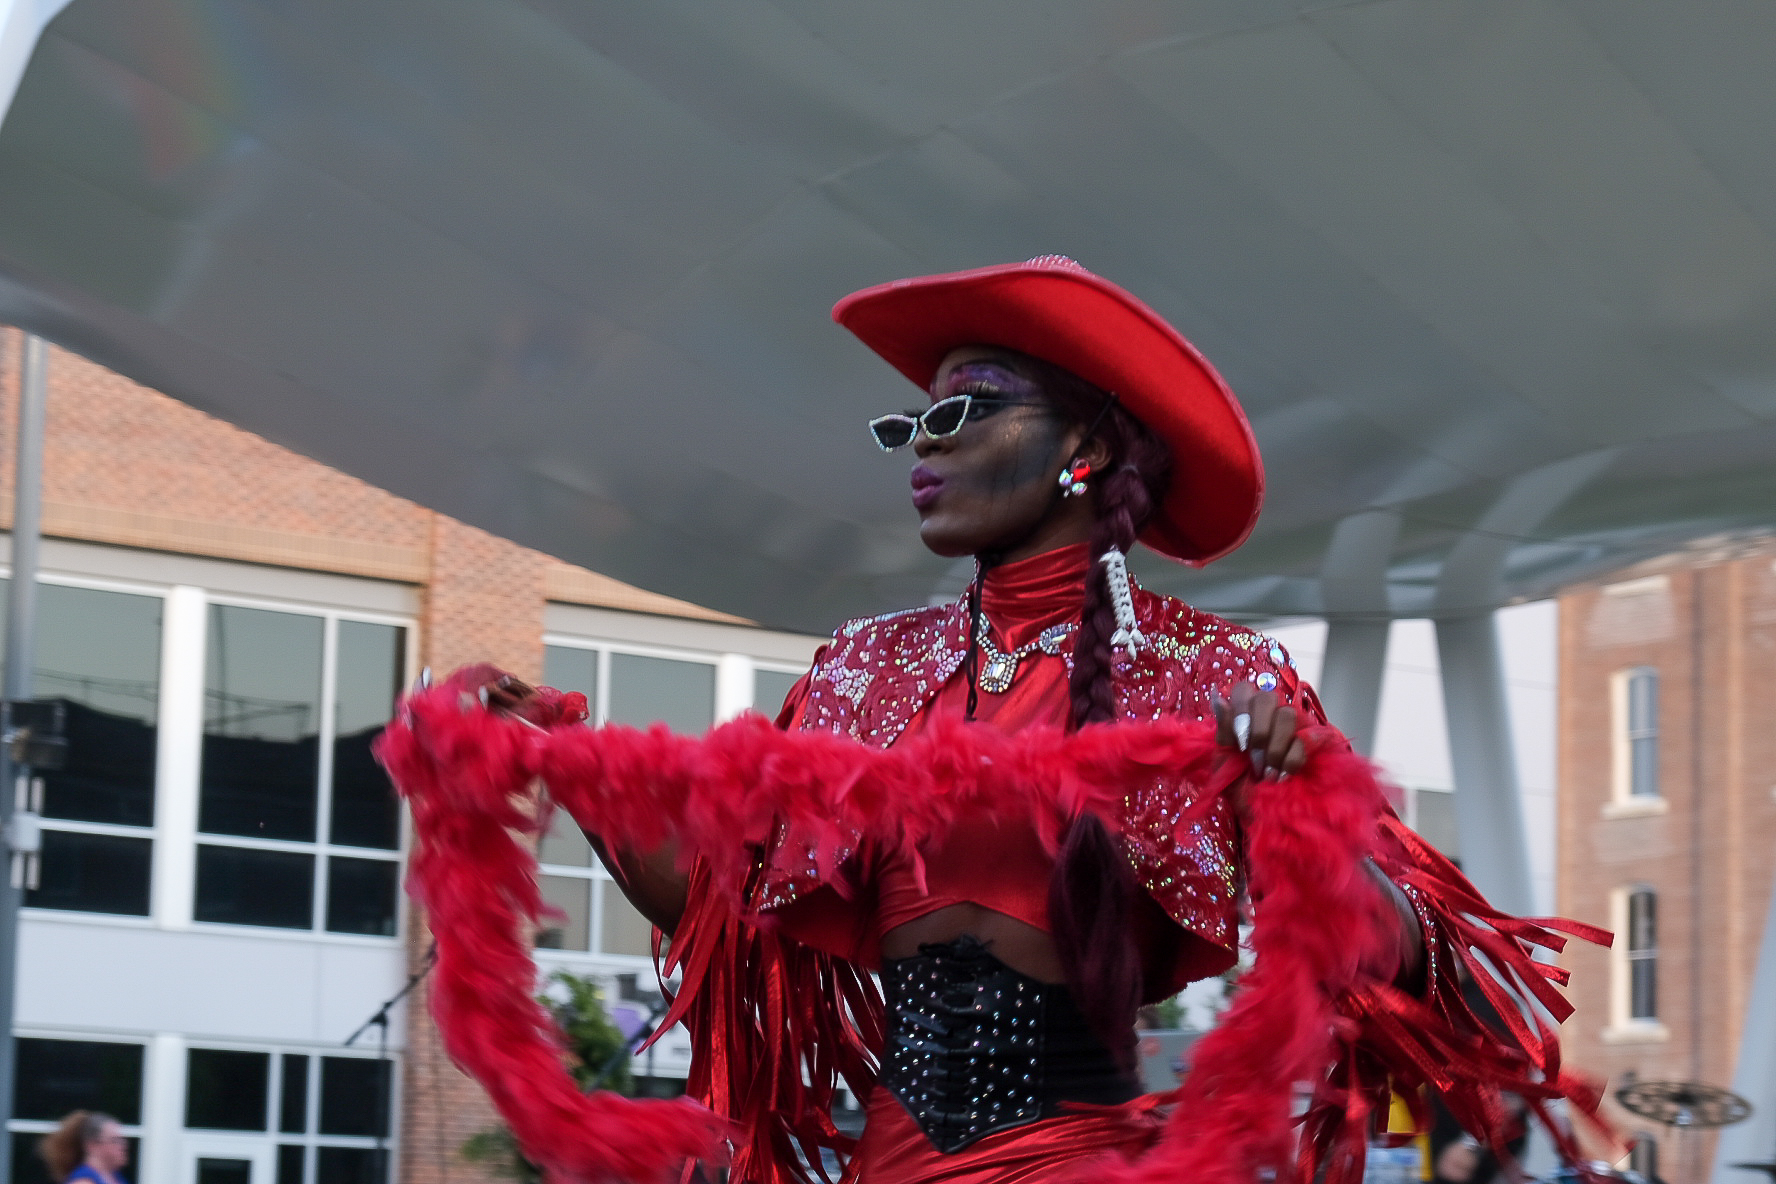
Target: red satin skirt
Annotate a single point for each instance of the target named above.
(894, 1150)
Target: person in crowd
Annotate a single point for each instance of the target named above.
(1066, 420)
(87, 1146)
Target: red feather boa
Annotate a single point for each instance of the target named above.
(1305, 1013)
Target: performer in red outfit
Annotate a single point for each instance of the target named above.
(1014, 944)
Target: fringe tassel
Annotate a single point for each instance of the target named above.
(766, 1062)
(777, 1027)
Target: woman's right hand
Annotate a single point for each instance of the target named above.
(508, 693)
(652, 880)
(544, 707)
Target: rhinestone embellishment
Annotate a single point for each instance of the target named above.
(999, 667)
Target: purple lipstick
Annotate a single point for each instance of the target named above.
(926, 487)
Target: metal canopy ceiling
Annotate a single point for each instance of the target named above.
(1501, 270)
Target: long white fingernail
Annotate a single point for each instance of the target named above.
(1242, 729)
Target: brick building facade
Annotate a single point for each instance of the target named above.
(147, 495)
(1667, 809)
(149, 499)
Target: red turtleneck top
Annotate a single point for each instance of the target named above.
(1003, 868)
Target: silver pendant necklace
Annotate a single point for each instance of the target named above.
(998, 667)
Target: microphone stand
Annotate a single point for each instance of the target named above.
(655, 1014)
(380, 1021)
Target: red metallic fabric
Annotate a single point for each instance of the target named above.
(889, 676)
(783, 1029)
(894, 1150)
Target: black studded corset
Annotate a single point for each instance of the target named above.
(976, 1047)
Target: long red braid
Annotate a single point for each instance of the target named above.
(1092, 895)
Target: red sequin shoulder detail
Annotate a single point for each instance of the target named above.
(880, 672)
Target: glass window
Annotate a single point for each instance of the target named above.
(370, 664)
(293, 1095)
(262, 718)
(646, 690)
(52, 1077)
(347, 1165)
(1644, 1159)
(361, 895)
(769, 689)
(1643, 732)
(570, 898)
(568, 668)
(265, 725)
(354, 1096)
(1643, 954)
(564, 843)
(28, 1166)
(226, 1090)
(99, 653)
(93, 873)
(290, 1164)
(249, 886)
(624, 930)
(224, 1171)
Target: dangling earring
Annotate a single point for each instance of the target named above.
(1073, 477)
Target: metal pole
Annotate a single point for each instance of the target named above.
(382, 1099)
(15, 684)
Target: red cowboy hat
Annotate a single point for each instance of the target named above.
(1054, 309)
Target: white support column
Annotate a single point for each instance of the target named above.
(1350, 680)
(177, 762)
(21, 24)
(1488, 805)
(1353, 586)
(1482, 755)
(163, 1107)
(733, 686)
(1754, 1079)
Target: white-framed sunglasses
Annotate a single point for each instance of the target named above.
(943, 418)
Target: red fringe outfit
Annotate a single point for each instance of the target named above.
(878, 805)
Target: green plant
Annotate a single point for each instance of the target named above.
(594, 1045)
(1169, 1013)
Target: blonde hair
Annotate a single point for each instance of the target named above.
(64, 1148)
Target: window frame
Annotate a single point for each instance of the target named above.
(597, 959)
(322, 849)
(151, 832)
(311, 1137)
(1624, 1026)
(1623, 801)
(599, 877)
(1634, 955)
(771, 667)
(139, 1130)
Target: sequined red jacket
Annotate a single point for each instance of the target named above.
(879, 672)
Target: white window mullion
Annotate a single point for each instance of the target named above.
(1618, 957)
(733, 686)
(178, 756)
(324, 764)
(601, 709)
(163, 1108)
(595, 921)
(98, 828)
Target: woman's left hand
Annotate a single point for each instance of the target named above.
(1257, 723)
